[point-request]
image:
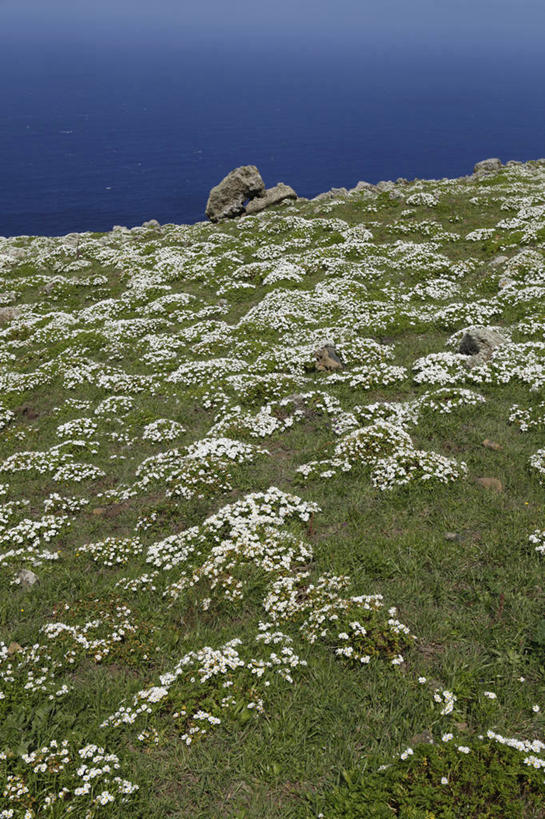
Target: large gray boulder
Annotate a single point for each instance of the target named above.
(227, 199)
(486, 166)
(272, 196)
(479, 343)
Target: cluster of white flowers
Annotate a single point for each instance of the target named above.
(6, 416)
(95, 638)
(60, 774)
(529, 418)
(113, 551)
(446, 699)
(163, 429)
(226, 678)
(257, 509)
(537, 538)
(330, 616)
(537, 462)
(428, 200)
(387, 448)
(25, 541)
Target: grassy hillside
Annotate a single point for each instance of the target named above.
(257, 588)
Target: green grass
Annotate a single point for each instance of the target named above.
(476, 601)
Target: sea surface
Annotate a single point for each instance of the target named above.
(95, 135)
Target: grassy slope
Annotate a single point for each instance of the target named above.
(476, 604)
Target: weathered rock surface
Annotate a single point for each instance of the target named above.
(8, 314)
(226, 199)
(362, 185)
(272, 196)
(485, 166)
(385, 185)
(492, 445)
(27, 578)
(497, 260)
(479, 344)
(151, 224)
(331, 194)
(327, 358)
(491, 483)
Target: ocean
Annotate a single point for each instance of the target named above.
(94, 135)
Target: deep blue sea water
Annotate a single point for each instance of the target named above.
(92, 136)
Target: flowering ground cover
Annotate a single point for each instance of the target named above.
(236, 585)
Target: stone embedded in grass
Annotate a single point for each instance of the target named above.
(493, 484)
(327, 358)
(26, 578)
(492, 445)
(479, 344)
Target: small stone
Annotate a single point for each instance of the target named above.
(425, 736)
(327, 358)
(499, 260)
(492, 445)
(13, 648)
(27, 578)
(491, 483)
(453, 536)
(8, 314)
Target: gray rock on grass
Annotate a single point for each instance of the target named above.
(272, 196)
(331, 194)
(479, 344)
(327, 359)
(362, 185)
(486, 166)
(27, 578)
(8, 314)
(226, 200)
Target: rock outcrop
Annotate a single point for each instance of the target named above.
(227, 199)
(479, 344)
(486, 166)
(271, 196)
(327, 358)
